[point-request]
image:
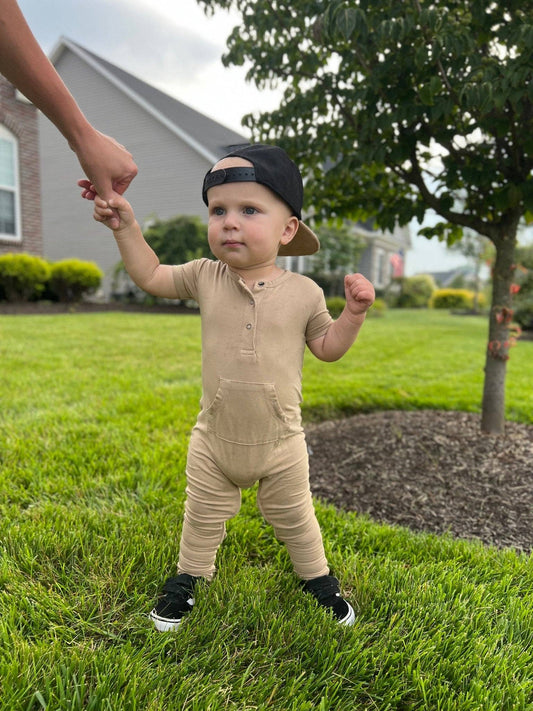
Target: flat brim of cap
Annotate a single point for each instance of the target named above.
(304, 242)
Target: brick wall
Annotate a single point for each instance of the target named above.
(21, 119)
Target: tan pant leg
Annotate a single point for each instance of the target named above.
(211, 500)
(284, 499)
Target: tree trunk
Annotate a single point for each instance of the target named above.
(501, 314)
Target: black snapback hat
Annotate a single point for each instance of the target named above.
(273, 168)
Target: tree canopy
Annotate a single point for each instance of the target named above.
(393, 108)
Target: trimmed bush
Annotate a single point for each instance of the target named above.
(378, 308)
(22, 276)
(455, 299)
(71, 279)
(415, 291)
(335, 305)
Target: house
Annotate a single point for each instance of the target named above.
(385, 254)
(20, 196)
(382, 260)
(173, 146)
(459, 277)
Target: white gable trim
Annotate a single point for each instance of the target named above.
(175, 129)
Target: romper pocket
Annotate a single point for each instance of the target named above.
(246, 413)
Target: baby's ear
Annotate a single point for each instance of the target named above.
(291, 228)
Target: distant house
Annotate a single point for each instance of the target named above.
(464, 276)
(382, 259)
(385, 254)
(20, 197)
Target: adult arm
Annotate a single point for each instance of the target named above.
(108, 165)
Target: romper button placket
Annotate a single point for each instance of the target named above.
(248, 326)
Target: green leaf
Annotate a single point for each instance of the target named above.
(346, 22)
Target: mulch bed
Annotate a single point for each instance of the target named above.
(430, 471)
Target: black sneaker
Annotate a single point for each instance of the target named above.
(175, 601)
(327, 593)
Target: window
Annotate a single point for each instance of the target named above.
(9, 187)
(380, 268)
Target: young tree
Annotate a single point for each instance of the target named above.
(396, 107)
(178, 239)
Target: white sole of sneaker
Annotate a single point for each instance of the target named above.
(350, 617)
(163, 624)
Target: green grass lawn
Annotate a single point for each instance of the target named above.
(95, 416)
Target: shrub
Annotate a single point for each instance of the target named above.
(71, 279)
(523, 300)
(523, 313)
(22, 276)
(378, 308)
(335, 305)
(415, 291)
(455, 299)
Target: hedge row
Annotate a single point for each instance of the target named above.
(462, 299)
(24, 277)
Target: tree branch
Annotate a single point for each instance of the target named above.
(414, 177)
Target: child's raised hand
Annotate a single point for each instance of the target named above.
(359, 293)
(115, 213)
(109, 217)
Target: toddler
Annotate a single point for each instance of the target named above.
(256, 320)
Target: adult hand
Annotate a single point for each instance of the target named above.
(106, 163)
(108, 166)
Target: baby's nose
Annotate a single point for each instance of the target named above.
(230, 219)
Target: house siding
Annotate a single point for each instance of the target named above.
(168, 184)
(20, 118)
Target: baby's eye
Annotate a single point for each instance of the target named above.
(218, 211)
(249, 210)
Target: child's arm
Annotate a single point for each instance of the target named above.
(343, 332)
(141, 262)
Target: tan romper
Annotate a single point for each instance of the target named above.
(249, 427)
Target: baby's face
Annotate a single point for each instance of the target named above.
(247, 221)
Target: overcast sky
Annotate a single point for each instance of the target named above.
(172, 45)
